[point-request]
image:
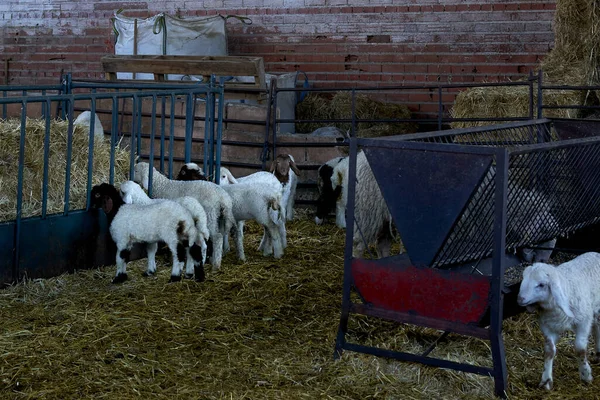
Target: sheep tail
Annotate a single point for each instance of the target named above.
(274, 210)
(226, 219)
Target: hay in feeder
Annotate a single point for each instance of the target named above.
(317, 106)
(508, 101)
(33, 166)
(263, 329)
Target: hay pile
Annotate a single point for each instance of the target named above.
(316, 106)
(264, 329)
(574, 60)
(10, 132)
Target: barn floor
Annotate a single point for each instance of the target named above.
(262, 329)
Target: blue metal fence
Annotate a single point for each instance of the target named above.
(49, 243)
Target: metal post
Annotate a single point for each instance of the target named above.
(152, 137)
(46, 161)
(275, 119)
(163, 107)
(207, 121)
(540, 100)
(353, 112)
(134, 123)
(341, 335)
(440, 108)
(17, 232)
(91, 151)
(265, 152)
(171, 135)
(497, 282)
(219, 128)
(69, 154)
(113, 137)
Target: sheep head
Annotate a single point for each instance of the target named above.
(106, 197)
(191, 172)
(542, 286)
(281, 166)
(141, 172)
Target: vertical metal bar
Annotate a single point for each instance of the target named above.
(171, 135)
(113, 137)
(139, 125)
(440, 108)
(17, 232)
(207, 119)
(265, 152)
(275, 119)
(134, 123)
(540, 100)
(530, 81)
(163, 107)
(69, 154)
(91, 150)
(219, 129)
(152, 138)
(211, 136)
(353, 127)
(189, 127)
(497, 282)
(43, 104)
(46, 160)
(341, 335)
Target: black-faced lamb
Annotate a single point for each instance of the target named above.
(191, 172)
(285, 170)
(339, 185)
(129, 224)
(132, 193)
(327, 195)
(566, 297)
(216, 203)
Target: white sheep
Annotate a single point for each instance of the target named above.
(339, 184)
(285, 170)
(328, 196)
(132, 193)
(373, 220)
(85, 119)
(132, 223)
(566, 297)
(216, 203)
(265, 180)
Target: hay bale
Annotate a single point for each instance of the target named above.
(33, 167)
(340, 107)
(506, 102)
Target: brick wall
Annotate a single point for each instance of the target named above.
(341, 42)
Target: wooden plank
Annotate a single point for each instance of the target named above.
(187, 65)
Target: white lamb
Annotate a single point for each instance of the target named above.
(135, 223)
(267, 181)
(85, 120)
(566, 297)
(285, 170)
(132, 193)
(216, 203)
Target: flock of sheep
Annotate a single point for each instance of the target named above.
(193, 217)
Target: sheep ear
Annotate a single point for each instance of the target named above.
(294, 168)
(128, 199)
(559, 296)
(273, 164)
(182, 172)
(107, 204)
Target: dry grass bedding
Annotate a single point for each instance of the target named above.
(264, 329)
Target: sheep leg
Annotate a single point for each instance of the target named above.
(384, 242)
(549, 353)
(282, 233)
(239, 240)
(266, 244)
(179, 252)
(596, 330)
(189, 264)
(204, 248)
(582, 333)
(151, 249)
(289, 208)
(340, 215)
(226, 246)
(122, 259)
(276, 240)
(217, 253)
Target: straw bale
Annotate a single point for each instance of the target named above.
(317, 106)
(33, 167)
(263, 329)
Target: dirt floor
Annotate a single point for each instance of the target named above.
(264, 329)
